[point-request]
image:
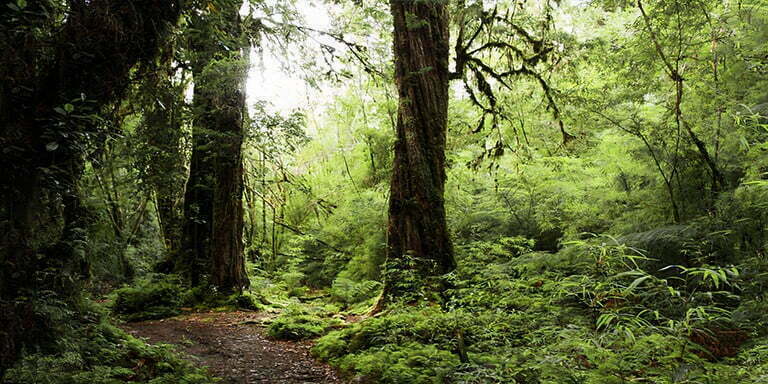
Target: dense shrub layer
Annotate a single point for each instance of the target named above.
(587, 314)
(98, 353)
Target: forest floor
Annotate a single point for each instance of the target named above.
(234, 346)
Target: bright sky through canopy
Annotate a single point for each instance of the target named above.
(269, 81)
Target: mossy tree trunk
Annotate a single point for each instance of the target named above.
(56, 79)
(197, 228)
(419, 246)
(214, 206)
(228, 271)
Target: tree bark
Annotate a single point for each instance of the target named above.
(417, 235)
(213, 233)
(229, 258)
(47, 83)
(198, 207)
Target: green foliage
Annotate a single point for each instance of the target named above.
(100, 353)
(157, 297)
(297, 327)
(409, 363)
(149, 299)
(298, 324)
(348, 292)
(247, 301)
(406, 346)
(587, 314)
(612, 256)
(206, 297)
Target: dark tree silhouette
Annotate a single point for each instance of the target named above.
(57, 79)
(213, 201)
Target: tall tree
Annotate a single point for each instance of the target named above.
(161, 155)
(62, 67)
(418, 238)
(213, 201)
(417, 234)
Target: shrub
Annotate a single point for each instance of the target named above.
(148, 300)
(588, 314)
(205, 297)
(247, 301)
(427, 325)
(348, 292)
(103, 354)
(301, 326)
(410, 363)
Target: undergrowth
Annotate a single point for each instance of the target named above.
(100, 353)
(300, 323)
(588, 314)
(148, 300)
(162, 296)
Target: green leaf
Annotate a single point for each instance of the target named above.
(637, 282)
(69, 108)
(52, 146)
(21, 4)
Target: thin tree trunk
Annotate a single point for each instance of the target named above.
(163, 131)
(718, 181)
(274, 239)
(263, 198)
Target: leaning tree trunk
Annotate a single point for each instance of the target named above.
(214, 229)
(417, 234)
(50, 87)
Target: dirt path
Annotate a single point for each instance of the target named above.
(234, 346)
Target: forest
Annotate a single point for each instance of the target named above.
(369, 191)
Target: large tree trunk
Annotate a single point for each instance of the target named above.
(228, 271)
(417, 235)
(48, 85)
(216, 180)
(229, 258)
